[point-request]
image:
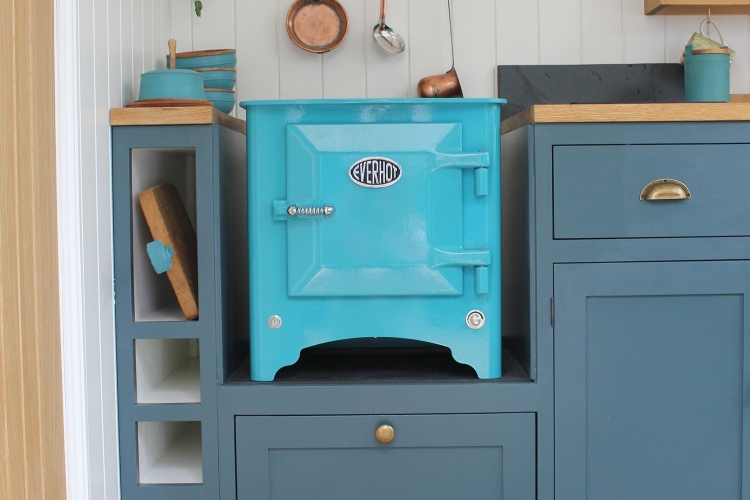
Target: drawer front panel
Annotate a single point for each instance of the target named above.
(597, 191)
(431, 456)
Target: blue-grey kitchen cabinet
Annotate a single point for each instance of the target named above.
(650, 379)
(431, 456)
(624, 368)
(168, 367)
(314, 436)
(310, 433)
(636, 310)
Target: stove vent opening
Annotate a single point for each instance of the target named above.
(376, 359)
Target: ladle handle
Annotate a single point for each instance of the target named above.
(172, 53)
(450, 26)
(382, 10)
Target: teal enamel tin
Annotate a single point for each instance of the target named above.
(706, 77)
(374, 218)
(218, 78)
(222, 100)
(171, 84)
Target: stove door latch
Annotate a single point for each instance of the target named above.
(284, 211)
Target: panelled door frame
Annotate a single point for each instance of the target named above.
(643, 279)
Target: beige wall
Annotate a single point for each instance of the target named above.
(32, 460)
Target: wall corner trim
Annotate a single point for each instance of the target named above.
(70, 251)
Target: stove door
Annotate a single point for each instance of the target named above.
(379, 210)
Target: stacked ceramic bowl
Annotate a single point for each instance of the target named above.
(219, 75)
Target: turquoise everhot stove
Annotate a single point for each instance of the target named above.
(374, 218)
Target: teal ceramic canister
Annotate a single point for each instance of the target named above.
(171, 84)
(223, 100)
(218, 78)
(374, 218)
(225, 58)
(706, 75)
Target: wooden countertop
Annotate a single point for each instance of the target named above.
(623, 113)
(188, 115)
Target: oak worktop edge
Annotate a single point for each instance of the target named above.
(628, 113)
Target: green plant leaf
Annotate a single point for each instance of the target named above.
(198, 7)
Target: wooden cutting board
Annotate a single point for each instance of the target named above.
(168, 103)
(168, 221)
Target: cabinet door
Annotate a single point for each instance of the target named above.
(488, 456)
(651, 380)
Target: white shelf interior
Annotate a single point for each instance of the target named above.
(170, 312)
(170, 453)
(153, 296)
(167, 371)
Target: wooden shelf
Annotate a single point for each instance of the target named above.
(189, 115)
(696, 7)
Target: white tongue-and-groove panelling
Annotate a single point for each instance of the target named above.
(109, 45)
(486, 33)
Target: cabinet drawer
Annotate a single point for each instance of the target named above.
(597, 191)
(430, 456)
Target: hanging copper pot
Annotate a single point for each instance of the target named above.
(446, 85)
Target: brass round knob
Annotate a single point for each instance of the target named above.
(385, 434)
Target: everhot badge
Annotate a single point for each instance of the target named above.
(375, 172)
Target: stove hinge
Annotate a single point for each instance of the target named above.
(552, 311)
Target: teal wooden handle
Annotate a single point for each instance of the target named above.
(161, 256)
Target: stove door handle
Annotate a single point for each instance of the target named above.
(462, 258)
(463, 160)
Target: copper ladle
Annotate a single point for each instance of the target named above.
(446, 85)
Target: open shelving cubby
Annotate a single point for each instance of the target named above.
(170, 453)
(153, 297)
(167, 371)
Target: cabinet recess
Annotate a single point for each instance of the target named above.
(696, 7)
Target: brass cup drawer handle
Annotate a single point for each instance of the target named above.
(385, 434)
(665, 189)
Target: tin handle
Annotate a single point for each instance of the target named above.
(708, 21)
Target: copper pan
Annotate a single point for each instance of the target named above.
(446, 85)
(317, 25)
